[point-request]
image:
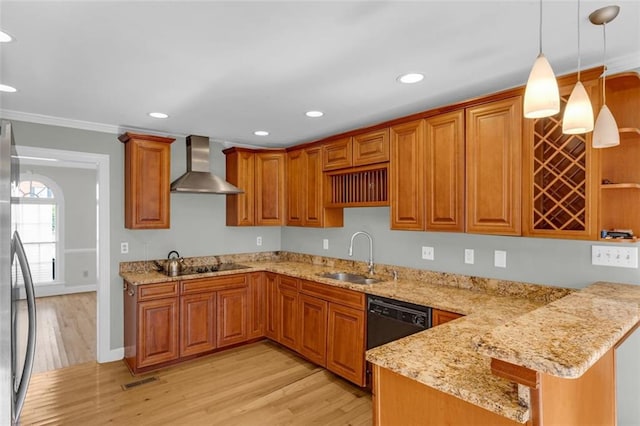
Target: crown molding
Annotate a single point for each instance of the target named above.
(623, 63)
(57, 121)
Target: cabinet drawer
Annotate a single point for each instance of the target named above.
(157, 291)
(342, 296)
(212, 284)
(288, 282)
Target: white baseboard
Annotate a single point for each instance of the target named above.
(113, 355)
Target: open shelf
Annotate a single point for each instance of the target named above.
(620, 186)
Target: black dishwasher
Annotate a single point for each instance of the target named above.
(389, 320)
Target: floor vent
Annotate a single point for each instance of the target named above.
(141, 382)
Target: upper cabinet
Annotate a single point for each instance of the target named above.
(260, 174)
(560, 177)
(620, 174)
(305, 191)
(407, 176)
(493, 167)
(147, 170)
(360, 150)
(444, 170)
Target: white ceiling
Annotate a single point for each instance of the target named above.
(225, 69)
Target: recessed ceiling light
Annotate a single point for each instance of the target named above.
(4, 37)
(158, 115)
(314, 114)
(410, 78)
(5, 88)
(261, 133)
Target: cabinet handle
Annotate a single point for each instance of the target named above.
(131, 291)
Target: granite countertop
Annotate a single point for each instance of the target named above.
(549, 329)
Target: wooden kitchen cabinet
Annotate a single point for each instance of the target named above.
(439, 317)
(260, 174)
(151, 319)
(346, 342)
(147, 171)
(560, 172)
(305, 191)
(289, 322)
(257, 305)
(232, 316)
(360, 150)
(494, 167)
(620, 199)
(272, 310)
(313, 329)
(197, 323)
(444, 170)
(407, 176)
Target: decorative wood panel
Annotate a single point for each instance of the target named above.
(257, 305)
(371, 147)
(337, 154)
(272, 314)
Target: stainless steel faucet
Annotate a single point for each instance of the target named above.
(366, 234)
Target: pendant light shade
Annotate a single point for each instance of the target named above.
(541, 96)
(578, 114)
(605, 132)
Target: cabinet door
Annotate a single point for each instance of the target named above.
(147, 173)
(197, 323)
(346, 343)
(445, 172)
(407, 176)
(371, 148)
(270, 197)
(272, 314)
(257, 306)
(313, 190)
(288, 315)
(296, 187)
(240, 171)
(232, 316)
(337, 154)
(493, 165)
(439, 317)
(313, 329)
(158, 331)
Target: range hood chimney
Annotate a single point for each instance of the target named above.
(198, 178)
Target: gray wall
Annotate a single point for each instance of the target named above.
(197, 228)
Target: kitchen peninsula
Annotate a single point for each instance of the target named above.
(493, 364)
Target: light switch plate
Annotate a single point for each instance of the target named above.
(500, 259)
(428, 253)
(616, 256)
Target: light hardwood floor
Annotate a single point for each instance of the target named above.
(66, 330)
(258, 384)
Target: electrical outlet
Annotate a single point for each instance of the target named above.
(500, 259)
(428, 253)
(616, 256)
(258, 241)
(124, 248)
(468, 256)
(325, 244)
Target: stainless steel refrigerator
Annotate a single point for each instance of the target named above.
(16, 362)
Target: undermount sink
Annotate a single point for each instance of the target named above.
(350, 278)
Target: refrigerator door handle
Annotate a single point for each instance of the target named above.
(18, 249)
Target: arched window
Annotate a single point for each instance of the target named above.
(36, 211)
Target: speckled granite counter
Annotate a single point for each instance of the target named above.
(546, 328)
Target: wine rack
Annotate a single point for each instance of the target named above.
(360, 187)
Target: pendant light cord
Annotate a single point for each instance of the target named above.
(604, 63)
(540, 29)
(578, 40)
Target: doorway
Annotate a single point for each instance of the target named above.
(99, 163)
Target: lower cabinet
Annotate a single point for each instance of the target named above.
(272, 317)
(346, 343)
(288, 311)
(439, 317)
(256, 300)
(159, 331)
(197, 323)
(313, 325)
(232, 316)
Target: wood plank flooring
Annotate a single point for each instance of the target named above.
(66, 330)
(258, 384)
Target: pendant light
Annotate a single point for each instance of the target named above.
(605, 132)
(541, 96)
(578, 114)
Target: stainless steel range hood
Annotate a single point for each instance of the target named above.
(198, 178)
